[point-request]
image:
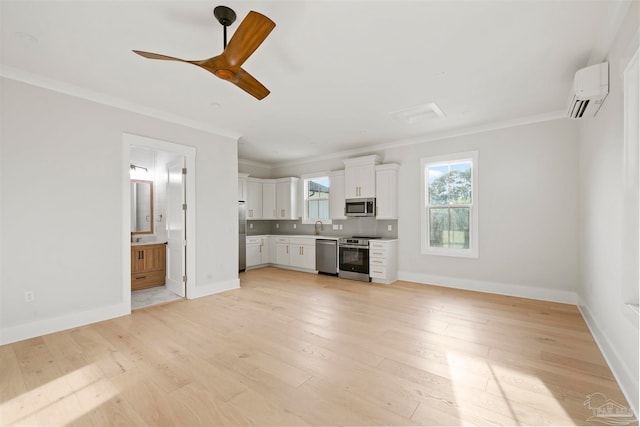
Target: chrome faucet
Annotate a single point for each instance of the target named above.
(316, 227)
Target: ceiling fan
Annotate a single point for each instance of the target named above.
(253, 30)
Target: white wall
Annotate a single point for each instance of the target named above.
(62, 202)
(528, 209)
(602, 204)
(527, 213)
(254, 169)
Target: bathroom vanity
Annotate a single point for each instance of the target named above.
(148, 265)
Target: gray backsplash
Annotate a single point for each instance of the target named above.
(369, 227)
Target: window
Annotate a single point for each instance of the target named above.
(316, 199)
(450, 205)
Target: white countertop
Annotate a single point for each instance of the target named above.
(299, 236)
(154, 242)
(311, 236)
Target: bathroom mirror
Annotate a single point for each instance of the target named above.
(141, 207)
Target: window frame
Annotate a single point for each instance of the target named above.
(305, 206)
(425, 241)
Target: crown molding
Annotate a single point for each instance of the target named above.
(487, 127)
(254, 163)
(101, 98)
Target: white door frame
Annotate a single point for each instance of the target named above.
(129, 140)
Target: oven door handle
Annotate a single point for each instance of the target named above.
(353, 247)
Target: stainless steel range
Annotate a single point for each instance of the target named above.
(354, 258)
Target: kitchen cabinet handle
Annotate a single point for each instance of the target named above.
(141, 277)
(287, 248)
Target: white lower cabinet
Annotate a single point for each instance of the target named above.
(283, 256)
(303, 253)
(383, 261)
(272, 249)
(257, 251)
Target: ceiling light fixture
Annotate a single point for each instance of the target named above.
(136, 167)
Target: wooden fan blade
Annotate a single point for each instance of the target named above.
(158, 56)
(253, 30)
(249, 84)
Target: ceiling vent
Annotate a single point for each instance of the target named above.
(590, 88)
(418, 113)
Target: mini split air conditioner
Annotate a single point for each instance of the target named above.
(590, 88)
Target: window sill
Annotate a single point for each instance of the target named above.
(452, 253)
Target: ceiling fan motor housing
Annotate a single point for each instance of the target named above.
(225, 15)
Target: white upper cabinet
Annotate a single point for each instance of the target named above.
(287, 198)
(387, 191)
(269, 200)
(242, 187)
(254, 198)
(336, 195)
(360, 177)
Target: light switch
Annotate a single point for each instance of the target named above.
(294, 226)
(251, 226)
(389, 227)
(277, 225)
(335, 226)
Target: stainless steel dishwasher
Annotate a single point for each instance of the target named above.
(327, 256)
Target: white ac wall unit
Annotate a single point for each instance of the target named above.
(590, 88)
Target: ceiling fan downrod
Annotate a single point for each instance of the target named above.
(225, 16)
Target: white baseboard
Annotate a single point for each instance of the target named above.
(544, 294)
(41, 327)
(214, 288)
(627, 382)
(67, 321)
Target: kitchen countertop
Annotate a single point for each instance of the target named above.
(155, 242)
(313, 236)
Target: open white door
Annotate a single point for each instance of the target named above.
(176, 236)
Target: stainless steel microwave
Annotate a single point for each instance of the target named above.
(360, 207)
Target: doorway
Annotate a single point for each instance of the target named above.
(167, 165)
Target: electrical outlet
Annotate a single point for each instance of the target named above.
(251, 226)
(29, 296)
(294, 226)
(340, 226)
(389, 227)
(277, 225)
(335, 226)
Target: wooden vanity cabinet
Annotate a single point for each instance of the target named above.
(148, 266)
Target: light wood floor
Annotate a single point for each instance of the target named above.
(292, 348)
